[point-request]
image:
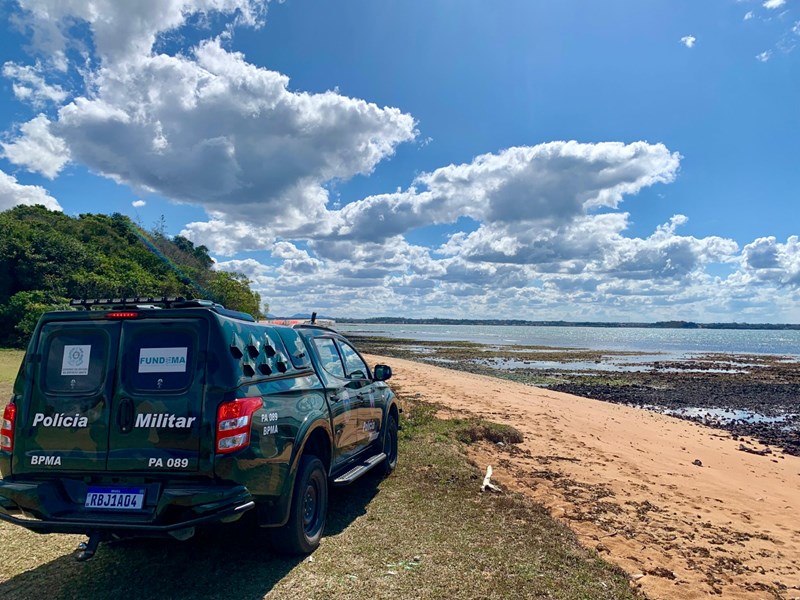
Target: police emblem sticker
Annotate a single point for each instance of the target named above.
(76, 360)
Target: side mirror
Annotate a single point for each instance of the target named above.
(382, 372)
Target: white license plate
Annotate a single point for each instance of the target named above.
(115, 498)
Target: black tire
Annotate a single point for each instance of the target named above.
(390, 445)
(303, 531)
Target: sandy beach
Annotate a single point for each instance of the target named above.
(679, 506)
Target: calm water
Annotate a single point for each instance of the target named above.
(672, 342)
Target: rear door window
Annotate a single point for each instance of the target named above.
(160, 361)
(331, 361)
(75, 361)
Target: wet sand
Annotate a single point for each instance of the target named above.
(678, 505)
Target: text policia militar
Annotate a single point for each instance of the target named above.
(143, 420)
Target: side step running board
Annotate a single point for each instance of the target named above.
(360, 470)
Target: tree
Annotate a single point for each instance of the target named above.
(19, 316)
(47, 257)
(200, 253)
(232, 290)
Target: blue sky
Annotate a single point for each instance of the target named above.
(578, 160)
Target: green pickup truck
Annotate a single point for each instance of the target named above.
(150, 417)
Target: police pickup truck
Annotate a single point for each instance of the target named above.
(150, 417)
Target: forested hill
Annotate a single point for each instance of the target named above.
(47, 257)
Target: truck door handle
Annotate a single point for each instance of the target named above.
(334, 398)
(125, 415)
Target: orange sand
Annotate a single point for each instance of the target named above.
(624, 480)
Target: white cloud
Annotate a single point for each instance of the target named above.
(138, 203)
(227, 239)
(688, 41)
(541, 241)
(785, 42)
(37, 148)
(662, 276)
(126, 31)
(536, 210)
(13, 193)
(219, 132)
(594, 245)
(566, 248)
(30, 86)
(249, 266)
(203, 126)
(522, 196)
(766, 259)
(665, 255)
(295, 261)
(548, 184)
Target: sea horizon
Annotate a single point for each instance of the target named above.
(670, 342)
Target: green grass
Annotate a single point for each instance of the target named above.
(9, 364)
(424, 532)
(430, 533)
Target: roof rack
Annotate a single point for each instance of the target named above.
(165, 301)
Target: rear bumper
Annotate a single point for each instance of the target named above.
(58, 507)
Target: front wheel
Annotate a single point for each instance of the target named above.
(309, 509)
(390, 445)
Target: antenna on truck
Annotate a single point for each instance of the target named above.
(313, 318)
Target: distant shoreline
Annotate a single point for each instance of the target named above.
(520, 322)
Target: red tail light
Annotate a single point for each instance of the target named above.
(122, 314)
(233, 423)
(7, 430)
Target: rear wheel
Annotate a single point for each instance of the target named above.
(309, 509)
(390, 445)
